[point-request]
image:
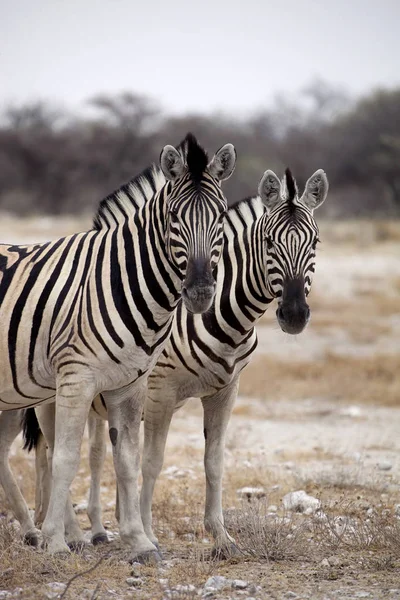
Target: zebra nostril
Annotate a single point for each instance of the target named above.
(280, 314)
(308, 312)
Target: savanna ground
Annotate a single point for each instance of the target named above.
(319, 412)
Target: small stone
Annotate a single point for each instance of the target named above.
(351, 411)
(334, 561)
(134, 581)
(301, 502)
(370, 512)
(217, 582)
(397, 509)
(384, 465)
(290, 594)
(239, 584)
(163, 582)
(251, 492)
(324, 563)
(185, 589)
(136, 570)
(189, 537)
(81, 507)
(272, 508)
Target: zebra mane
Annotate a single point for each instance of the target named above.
(291, 190)
(125, 201)
(194, 156)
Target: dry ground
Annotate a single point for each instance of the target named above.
(319, 412)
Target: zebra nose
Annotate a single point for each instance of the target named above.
(293, 317)
(198, 298)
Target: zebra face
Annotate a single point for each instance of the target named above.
(291, 237)
(194, 223)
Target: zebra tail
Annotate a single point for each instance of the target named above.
(31, 431)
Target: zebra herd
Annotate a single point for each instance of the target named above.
(93, 328)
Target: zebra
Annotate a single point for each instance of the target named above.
(91, 312)
(269, 253)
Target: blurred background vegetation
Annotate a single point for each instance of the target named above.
(55, 162)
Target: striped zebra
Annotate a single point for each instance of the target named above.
(269, 253)
(91, 313)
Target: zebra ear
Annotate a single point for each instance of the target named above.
(223, 164)
(171, 163)
(316, 190)
(270, 189)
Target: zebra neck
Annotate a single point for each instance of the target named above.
(140, 269)
(243, 294)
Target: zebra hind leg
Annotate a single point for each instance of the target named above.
(97, 453)
(217, 411)
(10, 426)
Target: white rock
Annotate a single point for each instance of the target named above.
(290, 594)
(134, 581)
(251, 492)
(217, 582)
(350, 411)
(324, 563)
(397, 509)
(384, 465)
(185, 589)
(81, 507)
(240, 584)
(272, 508)
(301, 502)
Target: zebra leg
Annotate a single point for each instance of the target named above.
(43, 481)
(124, 417)
(217, 412)
(97, 453)
(73, 533)
(157, 419)
(10, 426)
(71, 415)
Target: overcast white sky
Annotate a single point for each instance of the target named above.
(194, 55)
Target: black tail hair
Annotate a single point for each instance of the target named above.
(30, 429)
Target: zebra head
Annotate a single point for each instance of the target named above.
(291, 237)
(196, 209)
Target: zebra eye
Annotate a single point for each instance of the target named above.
(315, 242)
(173, 216)
(269, 241)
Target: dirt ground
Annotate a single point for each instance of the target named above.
(319, 412)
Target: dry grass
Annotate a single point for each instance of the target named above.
(374, 379)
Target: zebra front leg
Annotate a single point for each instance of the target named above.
(157, 418)
(124, 416)
(217, 412)
(73, 533)
(97, 453)
(10, 426)
(71, 414)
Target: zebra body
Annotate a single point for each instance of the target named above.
(269, 244)
(91, 312)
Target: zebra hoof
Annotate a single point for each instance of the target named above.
(32, 538)
(78, 547)
(225, 552)
(100, 538)
(150, 558)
